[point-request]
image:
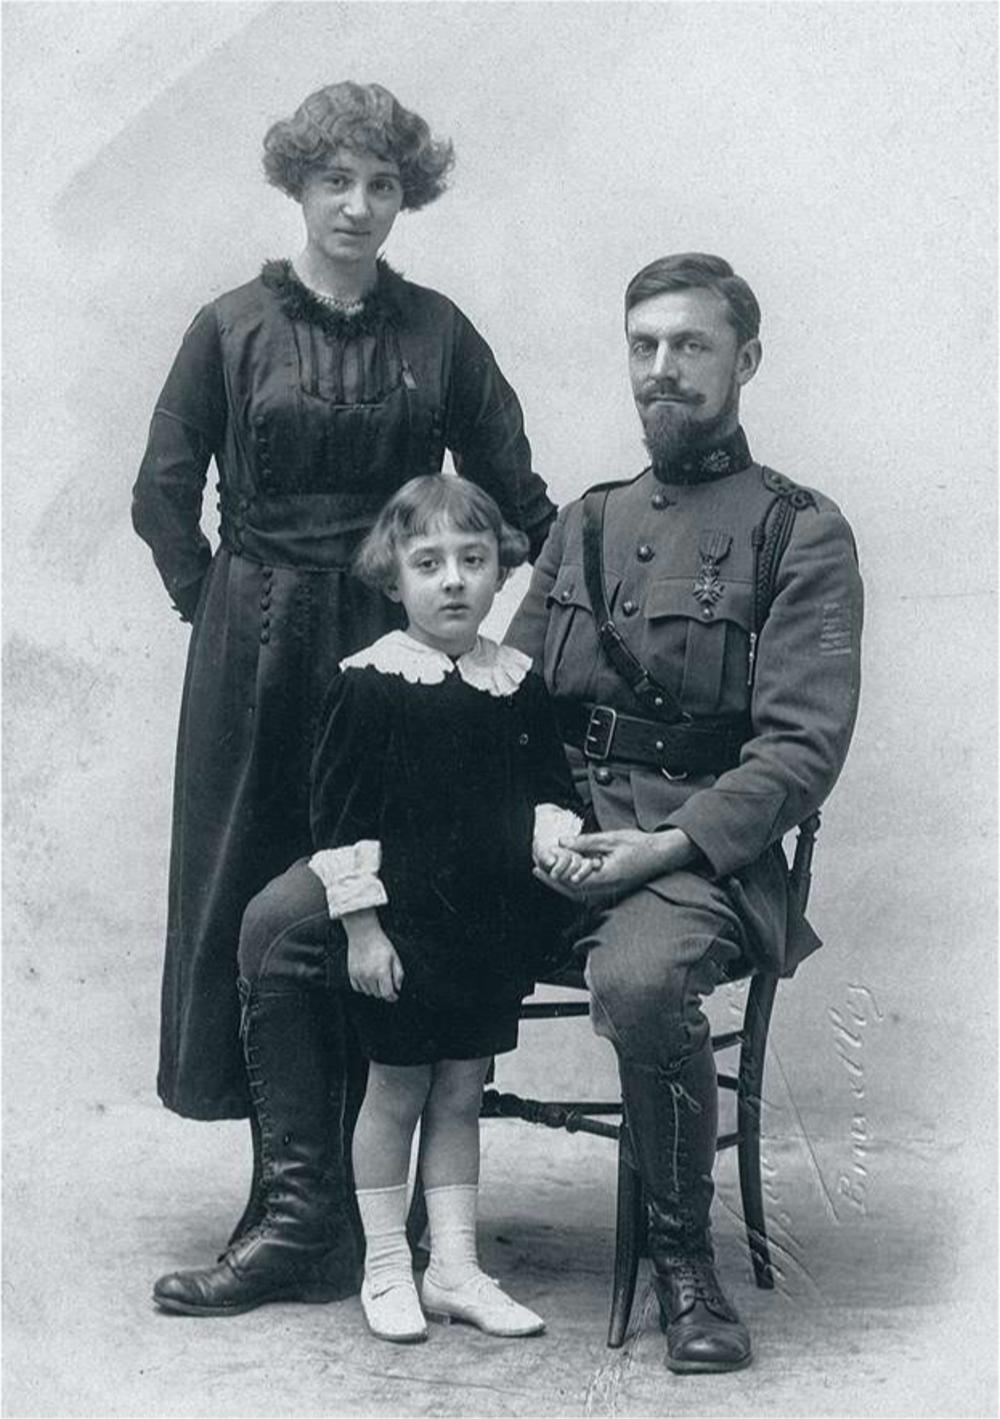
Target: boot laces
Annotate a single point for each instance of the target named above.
(696, 1281)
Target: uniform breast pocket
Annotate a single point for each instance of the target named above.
(571, 639)
(711, 637)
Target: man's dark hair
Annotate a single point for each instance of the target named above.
(695, 269)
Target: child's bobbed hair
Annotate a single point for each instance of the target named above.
(425, 505)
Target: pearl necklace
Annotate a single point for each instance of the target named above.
(335, 303)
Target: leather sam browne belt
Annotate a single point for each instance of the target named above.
(605, 735)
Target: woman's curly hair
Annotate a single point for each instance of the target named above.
(364, 118)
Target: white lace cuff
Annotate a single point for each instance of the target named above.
(551, 824)
(350, 876)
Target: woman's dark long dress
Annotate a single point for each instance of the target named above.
(313, 420)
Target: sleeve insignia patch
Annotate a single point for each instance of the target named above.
(835, 629)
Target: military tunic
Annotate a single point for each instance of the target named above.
(679, 567)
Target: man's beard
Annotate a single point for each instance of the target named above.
(671, 430)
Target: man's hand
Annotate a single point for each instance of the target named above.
(627, 858)
(373, 964)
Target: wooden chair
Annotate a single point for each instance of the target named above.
(589, 1117)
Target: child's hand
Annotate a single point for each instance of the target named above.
(561, 864)
(373, 964)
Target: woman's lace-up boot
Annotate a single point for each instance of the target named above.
(303, 1246)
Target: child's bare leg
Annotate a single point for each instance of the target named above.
(449, 1129)
(383, 1135)
(382, 1140)
(454, 1286)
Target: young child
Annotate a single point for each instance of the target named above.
(439, 779)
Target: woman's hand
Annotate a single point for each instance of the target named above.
(373, 964)
(627, 858)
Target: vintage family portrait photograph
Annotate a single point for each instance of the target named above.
(499, 708)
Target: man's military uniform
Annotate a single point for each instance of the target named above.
(763, 706)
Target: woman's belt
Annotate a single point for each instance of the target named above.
(605, 735)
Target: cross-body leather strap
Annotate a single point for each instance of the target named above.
(656, 698)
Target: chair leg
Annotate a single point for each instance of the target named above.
(760, 1000)
(629, 1239)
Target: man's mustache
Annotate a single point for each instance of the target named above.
(649, 393)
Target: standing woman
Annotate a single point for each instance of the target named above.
(318, 388)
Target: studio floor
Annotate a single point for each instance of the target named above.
(882, 1309)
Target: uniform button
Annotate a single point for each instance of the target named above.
(658, 701)
(658, 501)
(707, 612)
(269, 572)
(522, 739)
(603, 776)
(265, 621)
(265, 636)
(644, 552)
(629, 608)
(265, 601)
(565, 594)
(659, 746)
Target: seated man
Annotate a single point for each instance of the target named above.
(699, 625)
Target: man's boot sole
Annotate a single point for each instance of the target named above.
(706, 1367)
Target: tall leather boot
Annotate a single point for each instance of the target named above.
(673, 1119)
(304, 1247)
(339, 1042)
(253, 1212)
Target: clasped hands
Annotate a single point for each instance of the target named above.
(583, 867)
(592, 865)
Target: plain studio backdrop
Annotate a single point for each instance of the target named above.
(842, 157)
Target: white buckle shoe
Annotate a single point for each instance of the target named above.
(480, 1301)
(394, 1314)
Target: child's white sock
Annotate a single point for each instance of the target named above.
(451, 1216)
(388, 1261)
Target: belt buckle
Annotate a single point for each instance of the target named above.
(600, 732)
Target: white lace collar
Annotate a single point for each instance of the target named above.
(497, 669)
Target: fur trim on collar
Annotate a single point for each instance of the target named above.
(299, 303)
(497, 669)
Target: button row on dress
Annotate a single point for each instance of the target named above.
(265, 604)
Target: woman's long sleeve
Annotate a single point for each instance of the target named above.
(485, 433)
(186, 430)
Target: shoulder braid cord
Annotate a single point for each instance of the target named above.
(769, 539)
